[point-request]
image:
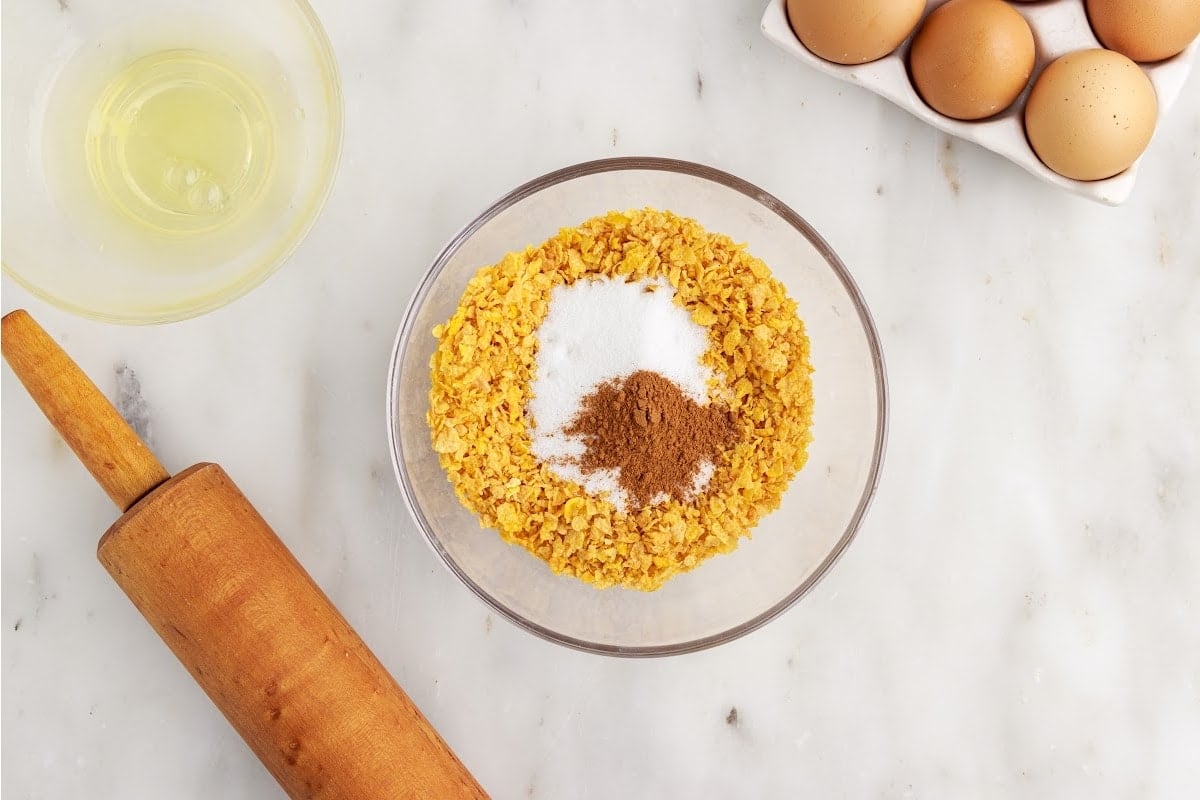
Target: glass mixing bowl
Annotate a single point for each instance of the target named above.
(791, 549)
(162, 159)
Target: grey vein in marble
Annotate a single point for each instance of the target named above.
(131, 404)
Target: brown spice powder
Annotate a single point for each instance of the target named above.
(656, 436)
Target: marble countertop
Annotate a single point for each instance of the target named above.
(1017, 618)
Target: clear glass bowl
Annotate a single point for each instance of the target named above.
(65, 242)
(791, 549)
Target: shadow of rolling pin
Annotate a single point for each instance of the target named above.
(238, 610)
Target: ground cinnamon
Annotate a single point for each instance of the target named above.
(656, 436)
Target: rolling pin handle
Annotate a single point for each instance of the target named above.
(119, 461)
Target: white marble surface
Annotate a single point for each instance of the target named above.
(1018, 617)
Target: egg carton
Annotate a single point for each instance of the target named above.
(1059, 27)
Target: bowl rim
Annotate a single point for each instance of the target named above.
(629, 163)
(200, 305)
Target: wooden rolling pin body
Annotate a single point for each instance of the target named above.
(272, 652)
(239, 611)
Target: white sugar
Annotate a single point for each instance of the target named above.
(598, 331)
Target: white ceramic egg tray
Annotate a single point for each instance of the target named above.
(1059, 27)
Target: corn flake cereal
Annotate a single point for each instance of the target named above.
(484, 365)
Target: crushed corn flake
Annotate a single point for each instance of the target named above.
(484, 365)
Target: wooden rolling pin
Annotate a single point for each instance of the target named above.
(238, 610)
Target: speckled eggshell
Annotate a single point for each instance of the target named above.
(1090, 114)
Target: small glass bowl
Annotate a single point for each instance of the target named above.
(728, 595)
(63, 243)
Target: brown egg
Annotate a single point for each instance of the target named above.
(1090, 114)
(853, 31)
(1145, 30)
(972, 58)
